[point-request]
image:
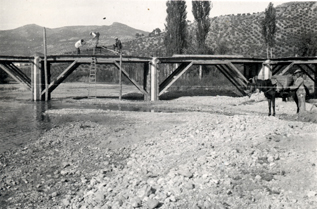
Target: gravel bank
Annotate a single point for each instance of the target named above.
(211, 152)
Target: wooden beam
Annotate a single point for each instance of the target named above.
(226, 73)
(312, 69)
(305, 72)
(171, 76)
(126, 74)
(19, 72)
(174, 77)
(15, 76)
(146, 80)
(315, 83)
(45, 65)
(287, 68)
(277, 68)
(306, 61)
(120, 76)
(207, 56)
(62, 76)
(240, 75)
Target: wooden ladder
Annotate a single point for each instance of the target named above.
(92, 78)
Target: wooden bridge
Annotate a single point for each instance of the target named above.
(40, 82)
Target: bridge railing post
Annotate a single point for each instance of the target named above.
(154, 90)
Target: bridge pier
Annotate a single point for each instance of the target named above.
(38, 80)
(154, 89)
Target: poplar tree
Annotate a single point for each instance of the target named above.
(201, 10)
(175, 27)
(269, 28)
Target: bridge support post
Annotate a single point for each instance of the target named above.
(48, 74)
(146, 81)
(37, 79)
(315, 83)
(154, 90)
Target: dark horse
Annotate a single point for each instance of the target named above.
(270, 88)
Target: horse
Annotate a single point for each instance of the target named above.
(270, 88)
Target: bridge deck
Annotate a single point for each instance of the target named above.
(226, 64)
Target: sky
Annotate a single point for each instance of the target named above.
(140, 14)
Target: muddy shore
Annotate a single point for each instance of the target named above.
(187, 152)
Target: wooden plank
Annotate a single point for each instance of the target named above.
(207, 56)
(306, 61)
(126, 74)
(174, 77)
(207, 61)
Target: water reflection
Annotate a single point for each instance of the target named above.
(22, 121)
(38, 109)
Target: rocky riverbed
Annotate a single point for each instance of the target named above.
(196, 152)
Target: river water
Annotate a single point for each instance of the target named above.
(23, 120)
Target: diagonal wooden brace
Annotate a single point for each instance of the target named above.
(174, 76)
(126, 74)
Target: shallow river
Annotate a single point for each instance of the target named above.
(23, 121)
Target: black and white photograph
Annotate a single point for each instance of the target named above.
(169, 104)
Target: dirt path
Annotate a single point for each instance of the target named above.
(203, 152)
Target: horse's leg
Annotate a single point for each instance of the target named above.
(269, 102)
(273, 104)
(296, 101)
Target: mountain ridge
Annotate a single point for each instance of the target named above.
(28, 39)
(238, 34)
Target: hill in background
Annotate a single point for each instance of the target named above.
(241, 34)
(237, 34)
(28, 39)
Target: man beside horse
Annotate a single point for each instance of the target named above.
(271, 86)
(299, 91)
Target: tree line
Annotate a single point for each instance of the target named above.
(178, 35)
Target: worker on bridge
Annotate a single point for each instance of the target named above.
(79, 44)
(117, 46)
(95, 38)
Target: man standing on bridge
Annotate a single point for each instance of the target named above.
(79, 44)
(117, 46)
(95, 38)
